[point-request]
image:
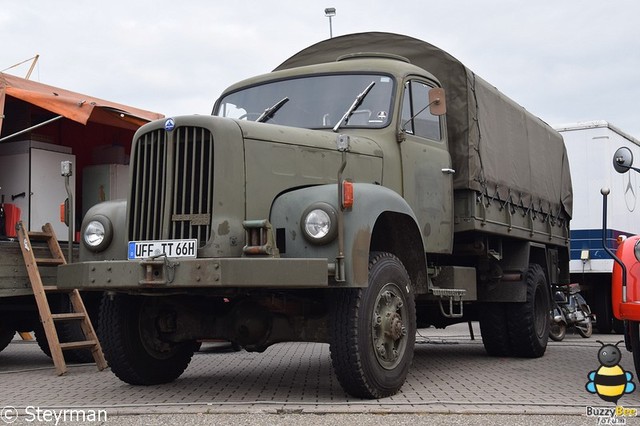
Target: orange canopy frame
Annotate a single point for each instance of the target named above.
(71, 105)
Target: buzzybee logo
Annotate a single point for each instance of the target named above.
(610, 381)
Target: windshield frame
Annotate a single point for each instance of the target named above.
(382, 118)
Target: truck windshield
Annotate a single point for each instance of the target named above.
(315, 102)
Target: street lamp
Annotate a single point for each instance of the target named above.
(330, 12)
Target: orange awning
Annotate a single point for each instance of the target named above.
(74, 106)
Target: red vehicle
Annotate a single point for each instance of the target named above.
(625, 285)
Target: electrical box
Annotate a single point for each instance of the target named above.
(30, 178)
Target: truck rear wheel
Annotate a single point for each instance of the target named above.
(6, 334)
(529, 322)
(132, 345)
(493, 329)
(373, 330)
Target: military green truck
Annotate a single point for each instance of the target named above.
(369, 186)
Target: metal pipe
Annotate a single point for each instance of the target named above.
(605, 193)
(70, 216)
(44, 123)
(340, 270)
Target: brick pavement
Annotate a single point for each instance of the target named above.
(450, 374)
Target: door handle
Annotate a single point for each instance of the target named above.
(448, 171)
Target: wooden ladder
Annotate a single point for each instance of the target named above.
(40, 292)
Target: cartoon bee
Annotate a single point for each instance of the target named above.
(610, 381)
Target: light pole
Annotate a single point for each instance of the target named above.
(330, 12)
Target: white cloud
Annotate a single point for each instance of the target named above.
(564, 61)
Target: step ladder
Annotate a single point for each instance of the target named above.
(454, 295)
(40, 293)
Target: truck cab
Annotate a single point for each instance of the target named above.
(394, 123)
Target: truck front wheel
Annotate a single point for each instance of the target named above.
(373, 330)
(132, 345)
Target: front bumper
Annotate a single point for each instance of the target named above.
(194, 273)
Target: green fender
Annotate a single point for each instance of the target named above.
(113, 212)
(370, 203)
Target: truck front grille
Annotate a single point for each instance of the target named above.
(172, 185)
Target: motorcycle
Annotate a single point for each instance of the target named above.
(570, 310)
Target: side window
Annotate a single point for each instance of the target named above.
(416, 116)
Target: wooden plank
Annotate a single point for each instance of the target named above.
(14, 279)
(39, 236)
(84, 344)
(51, 262)
(68, 316)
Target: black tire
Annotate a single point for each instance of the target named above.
(633, 330)
(585, 328)
(132, 346)
(618, 326)
(373, 330)
(494, 330)
(529, 322)
(602, 308)
(68, 331)
(557, 331)
(6, 335)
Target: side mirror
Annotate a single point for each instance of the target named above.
(437, 102)
(623, 160)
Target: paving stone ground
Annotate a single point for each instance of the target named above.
(451, 373)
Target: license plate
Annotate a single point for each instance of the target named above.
(170, 248)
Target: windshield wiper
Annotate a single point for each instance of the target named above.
(269, 112)
(356, 103)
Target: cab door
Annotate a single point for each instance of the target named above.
(426, 167)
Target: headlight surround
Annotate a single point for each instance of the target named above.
(636, 250)
(319, 223)
(97, 234)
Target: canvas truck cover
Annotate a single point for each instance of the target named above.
(497, 147)
(71, 105)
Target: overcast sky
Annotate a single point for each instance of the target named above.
(563, 60)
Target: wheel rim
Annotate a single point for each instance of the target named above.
(388, 331)
(148, 331)
(557, 331)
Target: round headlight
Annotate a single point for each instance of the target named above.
(319, 223)
(97, 234)
(636, 250)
